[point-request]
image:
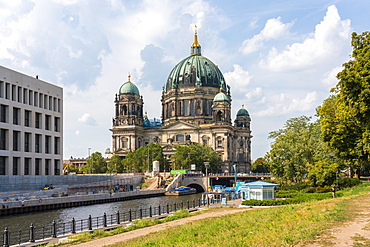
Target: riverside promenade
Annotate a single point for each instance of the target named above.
(33, 204)
(231, 207)
(119, 238)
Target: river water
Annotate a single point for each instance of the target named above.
(23, 221)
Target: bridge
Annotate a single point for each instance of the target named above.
(200, 182)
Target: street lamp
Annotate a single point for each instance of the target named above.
(206, 164)
(88, 152)
(235, 174)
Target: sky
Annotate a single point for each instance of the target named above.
(279, 57)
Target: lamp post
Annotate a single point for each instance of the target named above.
(235, 174)
(206, 164)
(88, 152)
(148, 159)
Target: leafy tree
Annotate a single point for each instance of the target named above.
(345, 115)
(197, 154)
(322, 173)
(73, 168)
(142, 158)
(260, 166)
(115, 165)
(296, 148)
(290, 152)
(95, 164)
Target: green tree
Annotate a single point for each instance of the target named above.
(73, 168)
(115, 165)
(290, 152)
(95, 164)
(322, 173)
(142, 158)
(197, 154)
(345, 115)
(260, 166)
(297, 147)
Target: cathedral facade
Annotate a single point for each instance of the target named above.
(196, 107)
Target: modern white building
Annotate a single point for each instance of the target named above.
(31, 125)
(258, 190)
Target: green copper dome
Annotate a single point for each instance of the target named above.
(129, 88)
(242, 112)
(195, 71)
(220, 97)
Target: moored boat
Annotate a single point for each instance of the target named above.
(181, 191)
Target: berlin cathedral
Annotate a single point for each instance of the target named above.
(196, 107)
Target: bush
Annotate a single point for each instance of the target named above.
(322, 189)
(348, 182)
(286, 193)
(298, 198)
(298, 186)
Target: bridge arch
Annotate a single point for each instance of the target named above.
(196, 186)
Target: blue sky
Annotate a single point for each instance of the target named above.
(279, 57)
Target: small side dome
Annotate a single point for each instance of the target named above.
(242, 112)
(129, 88)
(220, 97)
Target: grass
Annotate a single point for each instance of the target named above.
(291, 225)
(137, 224)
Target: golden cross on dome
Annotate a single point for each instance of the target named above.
(129, 77)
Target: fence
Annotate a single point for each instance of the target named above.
(55, 230)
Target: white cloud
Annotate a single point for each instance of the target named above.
(90, 47)
(254, 94)
(238, 79)
(330, 77)
(324, 45)
(253, 23)
(87, 119)
(286, 104)
(273, 29)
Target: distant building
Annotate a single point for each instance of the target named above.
(77, 162)
(196, 107)
(31, 125)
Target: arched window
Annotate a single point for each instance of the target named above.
(198, 108)
(124, 142)
(219, 116)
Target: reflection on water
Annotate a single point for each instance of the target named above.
(23, 221)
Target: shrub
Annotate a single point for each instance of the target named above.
(298, 186)
(348, 182)
(286, 193)
(322, 189)
(298, 198)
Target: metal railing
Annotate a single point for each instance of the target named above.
(230, 175)
(54, 230)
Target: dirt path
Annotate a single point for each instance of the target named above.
(160, 227)
(355, 232)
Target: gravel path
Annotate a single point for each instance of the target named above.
(355, 232)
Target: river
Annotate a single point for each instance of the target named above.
(23, 221)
